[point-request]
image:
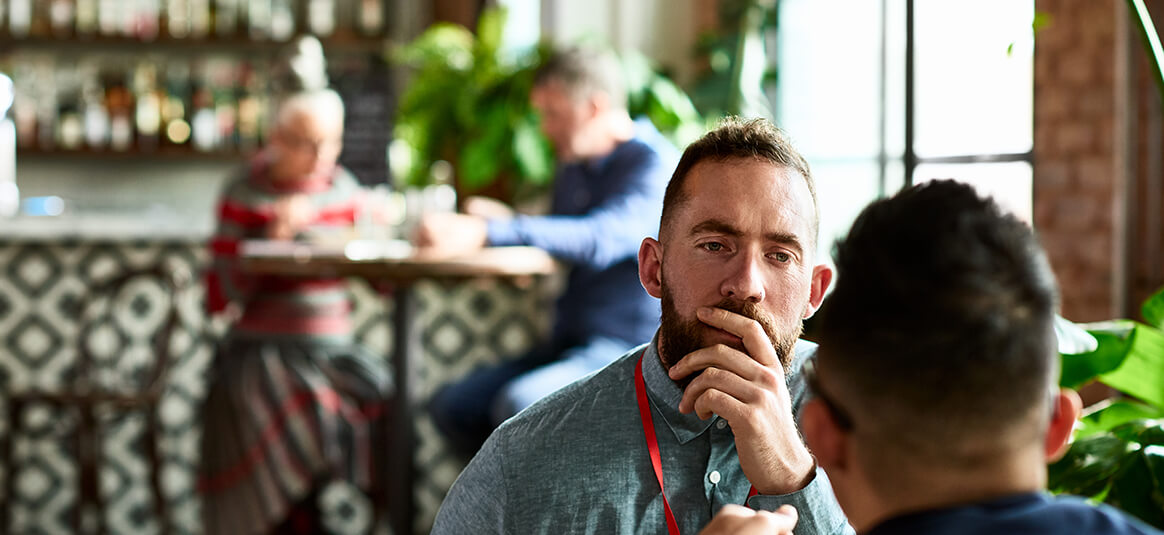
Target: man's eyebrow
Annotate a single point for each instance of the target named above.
(715, 226)
(721, 227)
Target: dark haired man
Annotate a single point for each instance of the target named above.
(703, 415)
(607, 192)
(936, 399)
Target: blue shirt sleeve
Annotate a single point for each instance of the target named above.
(817, 510)
(609, 232)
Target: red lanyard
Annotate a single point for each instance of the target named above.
(653, 446)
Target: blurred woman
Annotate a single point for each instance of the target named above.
(293, 400)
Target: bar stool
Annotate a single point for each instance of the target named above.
(107, 310)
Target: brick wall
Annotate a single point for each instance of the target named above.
(1074, 156)
(1097, 141)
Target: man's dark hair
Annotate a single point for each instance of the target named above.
(583, 71)
(939, 333)
(738, 138)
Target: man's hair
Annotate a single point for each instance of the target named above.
(938, 336)
(738, 138)
(583, 71)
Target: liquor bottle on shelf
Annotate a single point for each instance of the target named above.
(371, 17)
(282, 20)
(320, 17)
(86, 17)
(108, 12)
(225, 106)
(119, 102)
(203, 123)
(94, 115)
(178, 15)
(70, 134)
(176, 127)
(259, 19)
(145, 19)
(226, 17)
(200, 19)
(61, 16)
(70, 126)
(251, 108)
(19, 17)
(147, 106)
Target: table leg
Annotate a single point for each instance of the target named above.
(406, 348)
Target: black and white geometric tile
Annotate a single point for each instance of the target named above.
(464, 325)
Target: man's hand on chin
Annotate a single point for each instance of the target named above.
(747, 388)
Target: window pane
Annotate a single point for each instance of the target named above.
(1009, 183)
(972, 96)
(829, 76)
(842, 189)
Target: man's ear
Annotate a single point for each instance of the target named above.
(1068, 406)
(825, 439)
(597, 103)
(651, 267)
(822, 276)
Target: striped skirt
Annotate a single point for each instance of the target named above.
(282, 417)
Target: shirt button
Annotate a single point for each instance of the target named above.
(721, 424)
(713, 477)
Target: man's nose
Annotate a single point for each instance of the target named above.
(745, 282)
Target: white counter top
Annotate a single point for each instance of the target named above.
(153, 224)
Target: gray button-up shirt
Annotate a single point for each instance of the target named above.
(577, 462)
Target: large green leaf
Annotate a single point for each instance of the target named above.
(1135, 491)
(491, 30)
(1142, 372)
(531, 150)
(1112, 340)
(1089, 466)
(446, 44)
(1153, 309)
(1114, 415)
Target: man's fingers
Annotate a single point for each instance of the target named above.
(716, 379)
(756, 341)
(729, 360)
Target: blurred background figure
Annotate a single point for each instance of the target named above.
(608, 192)
(292, 399)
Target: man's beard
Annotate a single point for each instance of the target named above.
(679, 336)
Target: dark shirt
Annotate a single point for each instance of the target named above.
(1033, 513)
(601, 211)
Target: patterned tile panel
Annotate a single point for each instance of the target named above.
(463, 326)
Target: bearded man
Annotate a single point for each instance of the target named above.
(704, 415)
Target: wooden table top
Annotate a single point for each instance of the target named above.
(391, 260)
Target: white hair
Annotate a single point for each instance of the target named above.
(322, 103)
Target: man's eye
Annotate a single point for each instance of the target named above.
(713, 246)
(782, 257)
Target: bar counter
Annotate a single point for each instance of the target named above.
(46, 262)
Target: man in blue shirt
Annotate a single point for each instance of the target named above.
(608, 191)
(936, 399)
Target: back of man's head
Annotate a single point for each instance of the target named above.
(938, 337)
(582, 71)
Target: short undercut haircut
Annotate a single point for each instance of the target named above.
(733, 138)
(939, 332)
(583, 71)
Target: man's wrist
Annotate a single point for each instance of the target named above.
(800, 471)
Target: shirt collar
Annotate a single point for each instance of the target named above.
(665, 396)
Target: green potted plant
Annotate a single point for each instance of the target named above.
(468, 104)
(1118, 453)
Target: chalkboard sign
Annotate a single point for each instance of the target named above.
(364, 83)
